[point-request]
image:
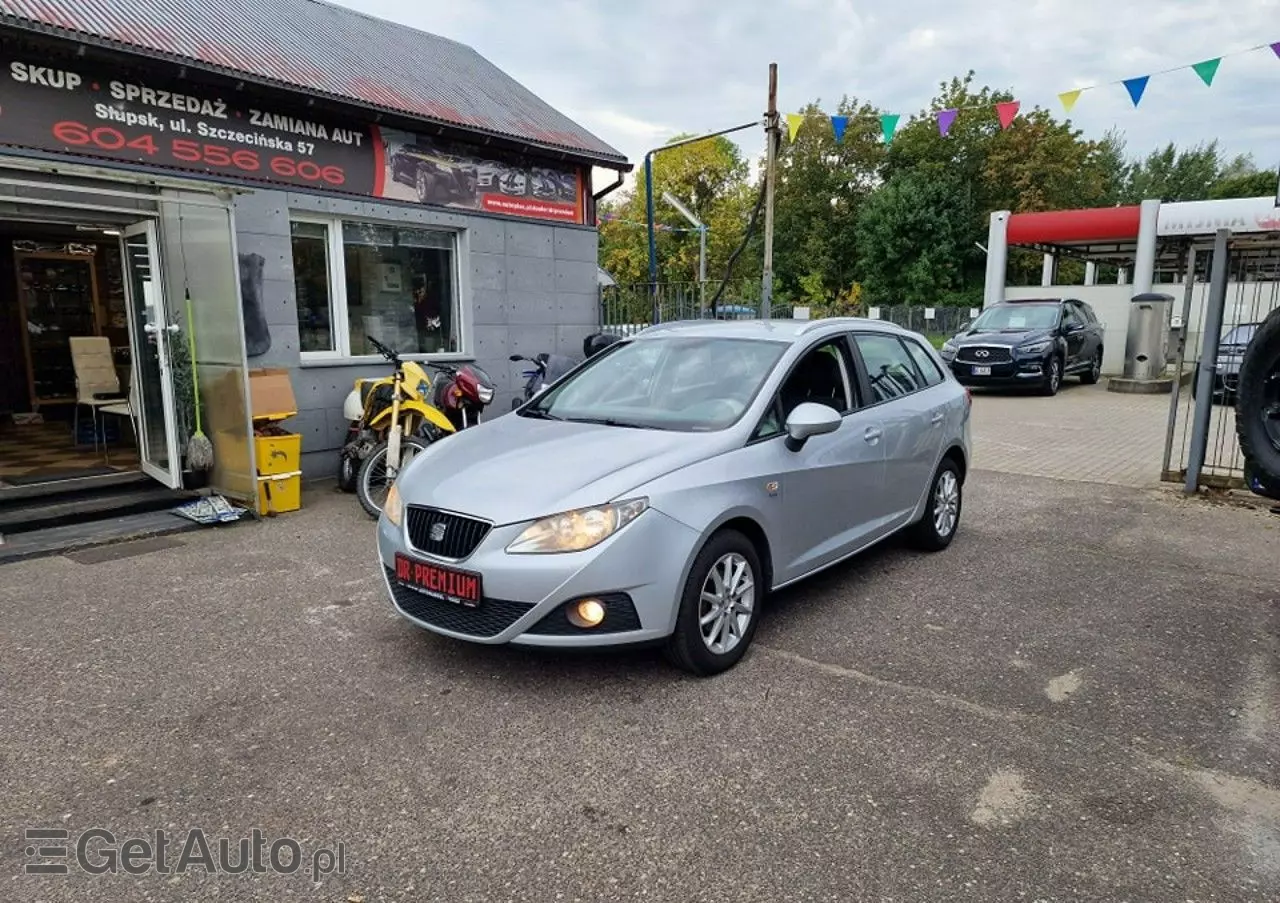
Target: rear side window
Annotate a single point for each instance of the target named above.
(932, 375)
(889, 367)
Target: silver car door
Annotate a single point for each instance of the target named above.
(911, 418)
(831, 489)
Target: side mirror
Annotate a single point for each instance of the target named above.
(808, 420)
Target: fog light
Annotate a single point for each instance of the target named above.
(587, 613)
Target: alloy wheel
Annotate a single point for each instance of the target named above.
(1055, 374)
(727, 603)
(946, 503)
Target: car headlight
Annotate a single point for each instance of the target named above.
(393, 508)
(948, 348)
(1035, 347)
(575, 531)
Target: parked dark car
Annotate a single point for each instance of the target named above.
(1034, 343)
(1226, 378)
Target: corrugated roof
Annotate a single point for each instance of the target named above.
(322, 49)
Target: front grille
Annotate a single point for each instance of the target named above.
(994, 355)
(488, 619)
(443, 534)
(620, 615)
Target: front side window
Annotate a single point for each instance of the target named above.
(669, 383)
(823, 376)
(357, 279)
(889, 367)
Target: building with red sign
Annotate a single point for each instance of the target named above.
(191, 193)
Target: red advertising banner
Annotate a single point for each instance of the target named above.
(66, 108)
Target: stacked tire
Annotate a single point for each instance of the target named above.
(1258, 409)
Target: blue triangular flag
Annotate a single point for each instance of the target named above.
(838, 125)
(1135, 87)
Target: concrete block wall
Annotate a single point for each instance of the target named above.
(524, 287)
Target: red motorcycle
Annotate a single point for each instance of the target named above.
(462, 394)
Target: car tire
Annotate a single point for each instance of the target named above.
(1258, 401)
(692, 647)
(935, 530)
(1091, 376)
(1053, 379)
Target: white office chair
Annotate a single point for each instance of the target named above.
(97, 384)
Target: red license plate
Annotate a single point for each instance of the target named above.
(459, 587)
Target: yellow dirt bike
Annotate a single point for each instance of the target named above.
(390, 421)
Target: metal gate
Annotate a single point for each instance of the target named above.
(1231, 286)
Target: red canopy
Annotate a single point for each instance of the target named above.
(1063, 226)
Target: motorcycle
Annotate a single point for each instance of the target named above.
(390, 421)
(464, 395)
(547, 368)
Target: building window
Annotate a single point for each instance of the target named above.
(354, 280)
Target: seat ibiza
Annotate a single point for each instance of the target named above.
(659, 491)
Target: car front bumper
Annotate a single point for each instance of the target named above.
(1018, 372)
(637, 573)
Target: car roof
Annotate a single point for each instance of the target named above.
(1035, 301)
(787, 331)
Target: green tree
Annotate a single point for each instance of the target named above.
(821, 185)
(1169, 174)
(913, 236)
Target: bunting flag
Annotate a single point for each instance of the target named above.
(1135, 87)
(1207, 70)
(888, 124)
(1007, 111)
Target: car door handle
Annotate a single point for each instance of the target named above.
(873, 434)
(937, 418)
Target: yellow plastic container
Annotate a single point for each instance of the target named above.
(280, 493)
(278, 454)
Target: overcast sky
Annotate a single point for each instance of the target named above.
(636, 73)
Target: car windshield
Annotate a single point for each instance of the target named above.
(1016, 317)
(682, 383)
(1240, 335)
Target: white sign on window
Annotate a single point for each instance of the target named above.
(800, 313)
(973, 313)
(930, 313)
(873, 313)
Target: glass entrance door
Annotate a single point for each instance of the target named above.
(151, 330)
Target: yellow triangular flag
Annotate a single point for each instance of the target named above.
(793, 124)
(1069, 98)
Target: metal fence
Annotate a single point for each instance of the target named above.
(627, 309)
(1252, 291)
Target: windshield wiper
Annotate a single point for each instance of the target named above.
(610, 421)
(539, 414)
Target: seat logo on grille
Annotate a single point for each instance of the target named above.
(436, 534)
(982, 352)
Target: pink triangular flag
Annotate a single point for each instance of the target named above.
(945, 119)
(1007, 111)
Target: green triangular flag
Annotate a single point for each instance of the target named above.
(888, 124)
(1207, 70)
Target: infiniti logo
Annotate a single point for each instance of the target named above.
(982, 352)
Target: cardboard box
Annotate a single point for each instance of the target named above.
(271, 395)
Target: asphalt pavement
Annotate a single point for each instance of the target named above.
(1079, 700)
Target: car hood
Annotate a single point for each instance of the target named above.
(1008, 337)
(515, 468)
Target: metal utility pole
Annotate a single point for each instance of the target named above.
(770, 179)
(648, 203)
(1215, 308)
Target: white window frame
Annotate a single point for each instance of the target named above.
(338, 311)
